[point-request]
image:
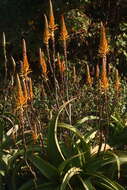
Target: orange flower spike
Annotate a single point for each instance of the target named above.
(63, 68)
(20, 97)
(88, 77)
(25, 60)
(46, 34)
(117, 81)
(34, 136)
(103, 47)
(104, 79)
(61, 64)
(63, 32)
(52, 25)
(43, 62)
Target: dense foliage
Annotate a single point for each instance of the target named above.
(63, 96)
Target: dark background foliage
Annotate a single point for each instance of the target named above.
(24, 19)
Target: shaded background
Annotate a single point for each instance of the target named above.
(24, 19)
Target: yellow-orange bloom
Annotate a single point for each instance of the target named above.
(103, 46)
(20, 99)
(63, 30)
(43, 62)
(63, 68)
(25, 66)
(61, 64)
(52, 25)
(46, 34)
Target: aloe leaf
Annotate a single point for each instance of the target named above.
(123, 158)
(117, 161)
(90, 135)
(12, 116)
(47, 186)
(108, 187)
(77, 133)
(109, 183)
(73, 171)
(83, 120)
(72, 129)
(86, 184)
(81, 140)
(105, 186)
(27, 185)
(54, 151)
(30, 149)
(46, 169)
(117, 122)
(3, 167)
(69, 161)
(44, 186)
(96, 162)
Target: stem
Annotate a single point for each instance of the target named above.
(5, 57)
(56, 84)
(67, 77)
(49, 61)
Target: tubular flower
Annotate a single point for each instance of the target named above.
(20, 99)
(46, 34)
(61, 64)
(52, 25)
(103, 46)
(88, 77)
(63, 30)
(43, 62)
(25, 66)
(117, 81)
(104, 79)
(63, 68)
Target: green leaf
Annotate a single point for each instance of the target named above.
(30, 149)
(108, 183)
(117, 161)
(3, 167)
(90, 135)
(29, 184)
(69, 161)
(78, 134)
(72, 129)
(54, 151)
(73, 171)
(81, 121)
(86, 184)
(46, 169)
(48, 186)
(105, 186)
(44, 186)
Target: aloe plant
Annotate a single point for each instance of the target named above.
(74, 166)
